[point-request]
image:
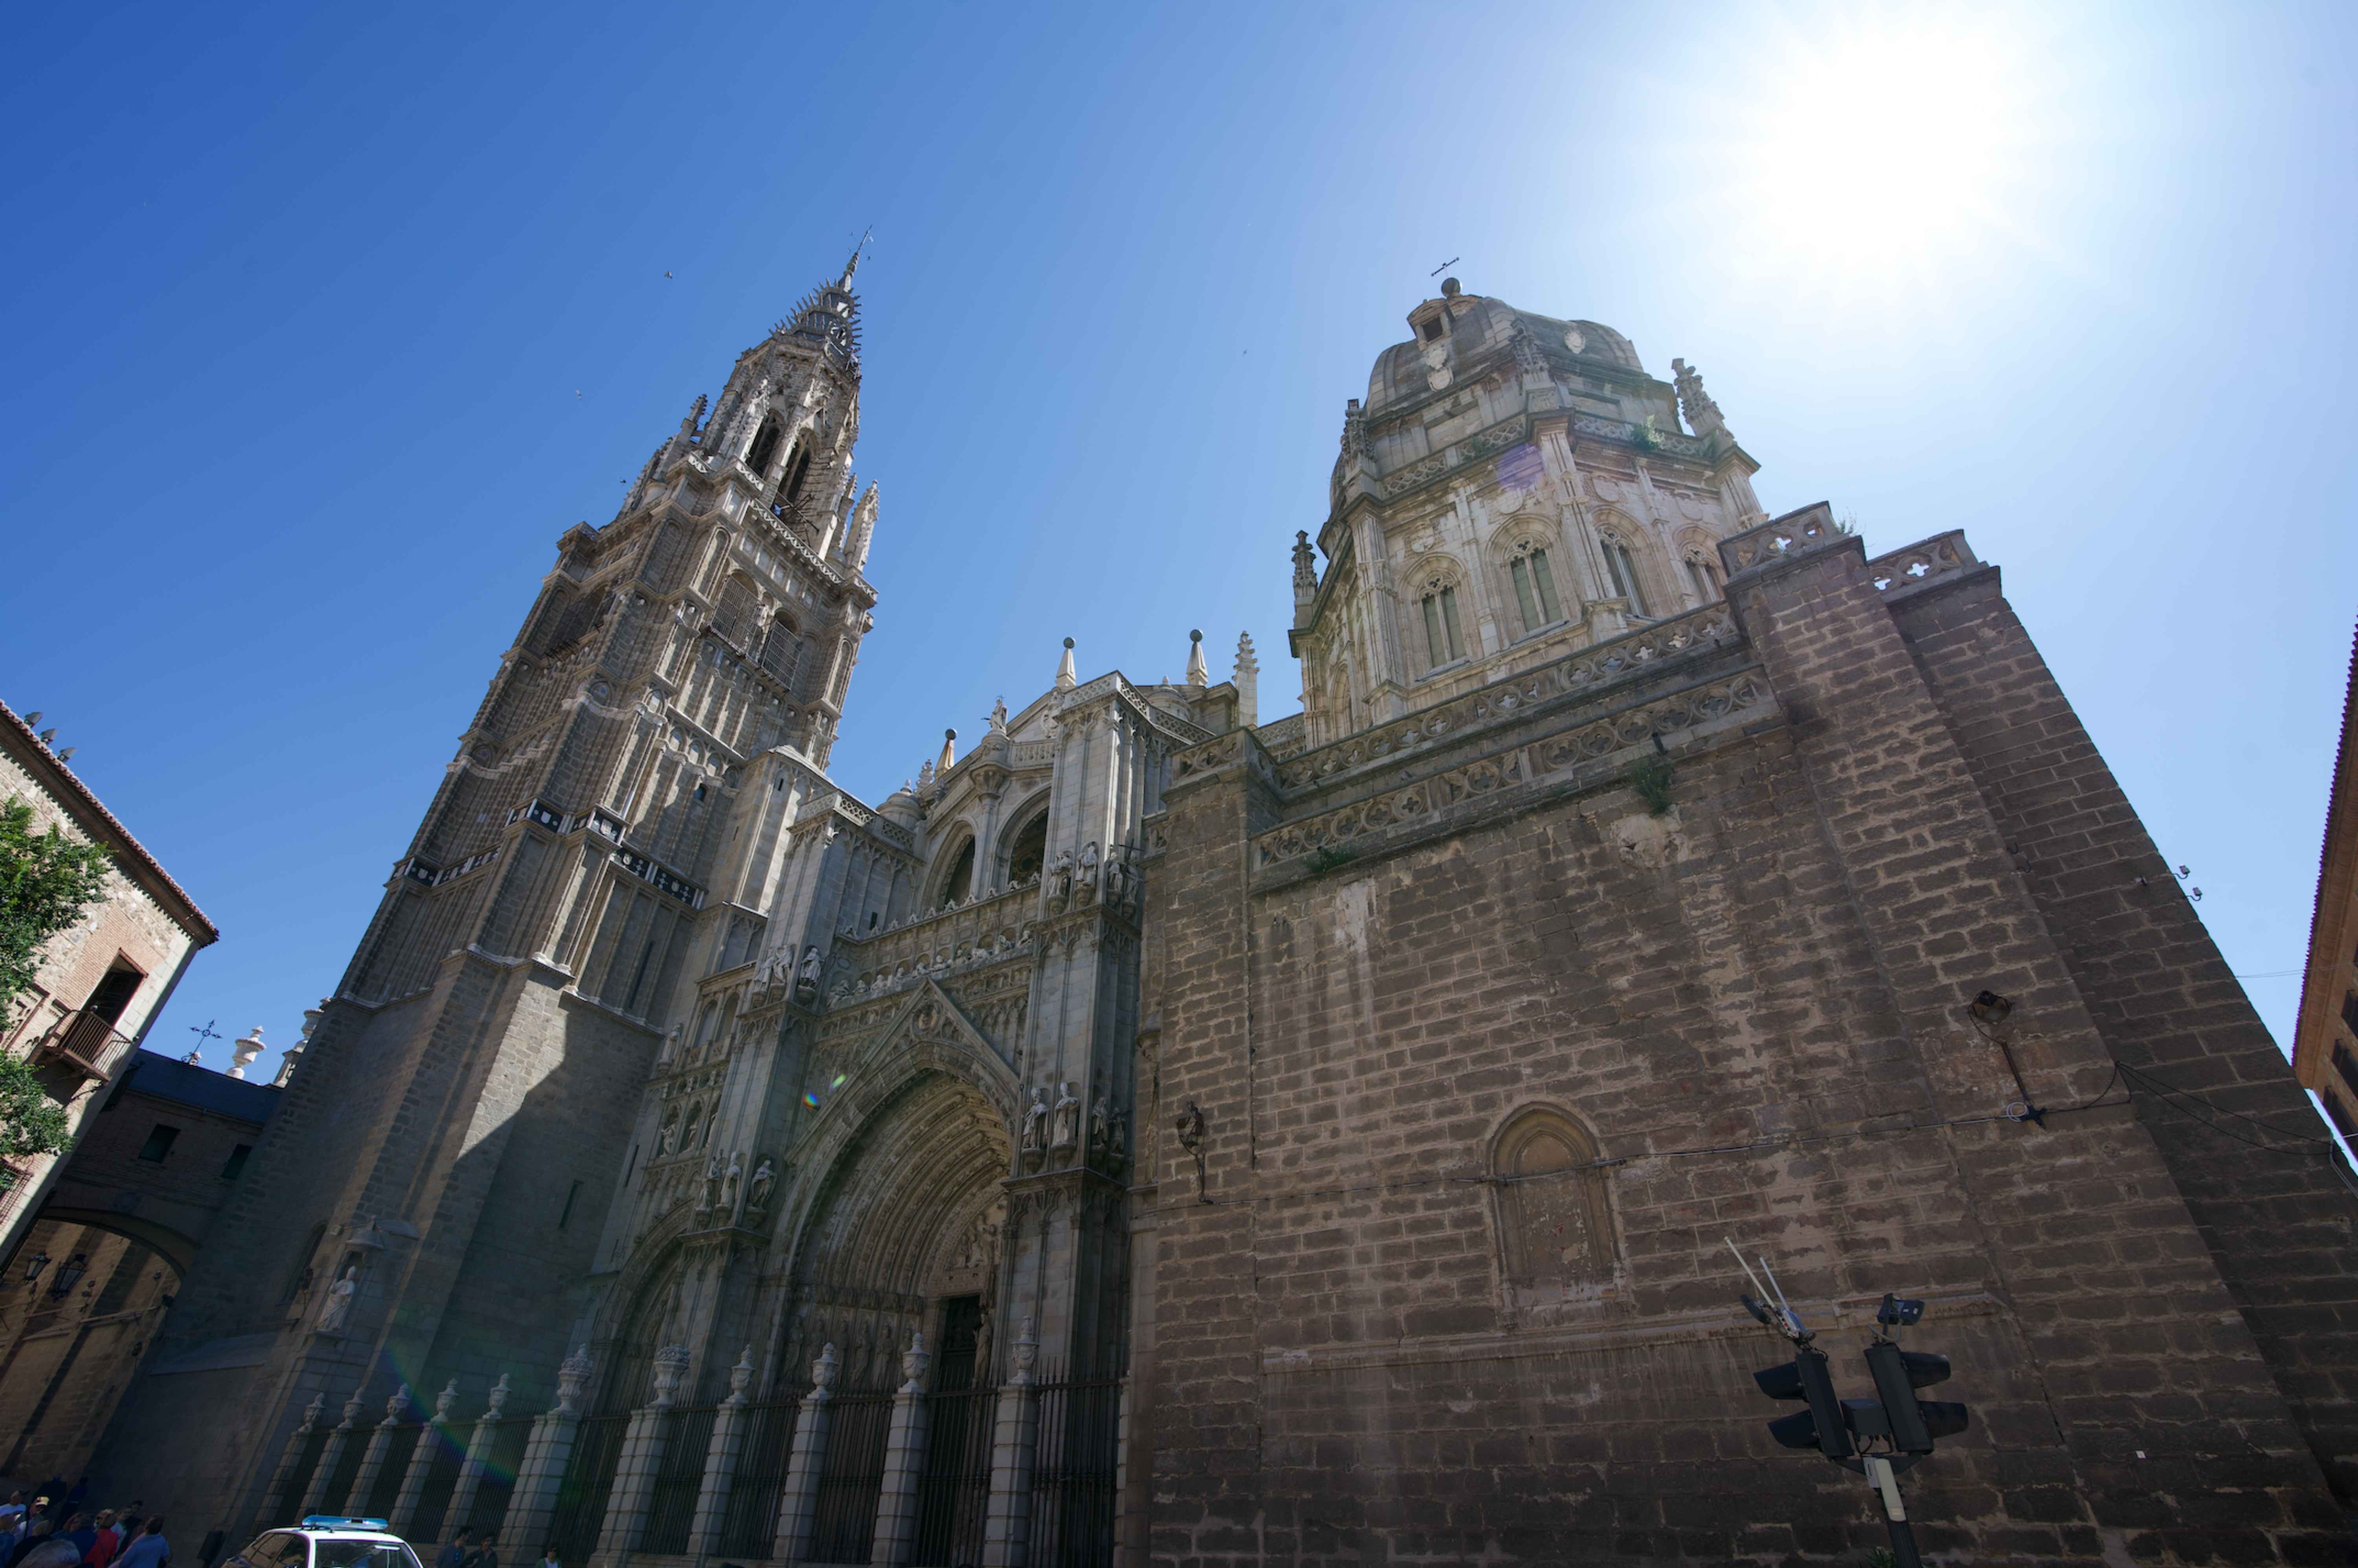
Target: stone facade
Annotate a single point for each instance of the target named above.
(99, 983)
(1809, 919)
(1151, 1134)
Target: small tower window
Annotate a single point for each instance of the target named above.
(1705, 576)
(1534, 588)
(796, 471)
(1622, 567)
(1432, 329)
(961, 876)
(765, 445)
(1442, 640)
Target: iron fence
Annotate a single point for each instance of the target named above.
(954, 1487)
(501, 1462)
(749, 1525)
(588, 1482)
(1073, 1473)
(679, 1476)
(441, 1480)
(850, 1478)
(283, 1508)
(400, 1443)
(347, 1470)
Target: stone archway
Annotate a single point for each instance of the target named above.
(909, 1216)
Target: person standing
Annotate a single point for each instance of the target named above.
(548, 1556)
(486, 1554)
(54, 1489)
(455, 1554)
(82, 1531)
(40, 1529)
(107, 1542)
(150, 1551)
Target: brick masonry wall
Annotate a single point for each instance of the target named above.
(2248, 1154)
(1756, 1005)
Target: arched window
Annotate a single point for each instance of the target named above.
(782, 650)
(1534, 586)
(961, 877)
(1621, 567)
(1704, 573)
(733, 619)
(1444, 641)
(797, 470)
(1555, 1228)
(765, 444)
(1028, 851)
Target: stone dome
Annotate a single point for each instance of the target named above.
(1478, 326)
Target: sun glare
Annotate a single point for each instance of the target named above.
(1883, 142)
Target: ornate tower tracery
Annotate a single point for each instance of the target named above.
(1514, 487)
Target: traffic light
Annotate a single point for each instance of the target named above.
(1821, 1426)
(1897, 1374)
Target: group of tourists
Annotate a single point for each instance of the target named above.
(467, 1550)
(57, 1527)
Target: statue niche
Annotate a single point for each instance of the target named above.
(1555, 1223)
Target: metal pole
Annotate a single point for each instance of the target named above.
(1903, 1538)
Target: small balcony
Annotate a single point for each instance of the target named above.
(84, 1040)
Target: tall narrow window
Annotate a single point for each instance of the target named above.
(796, 471)
(733, 616)
(1443, 639)
(160, 1143)
(765, 445)
(781, 651)
(1622, 567)
(1706, 578)
(961, 879)
(1534, 589)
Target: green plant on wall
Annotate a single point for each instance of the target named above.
(46, 879)
(1326, 857)
(1650, 777)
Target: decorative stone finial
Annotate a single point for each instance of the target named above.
(1247, 680)
(1027, 1349)
(572, 1377)
(352, 1408)
(242, 1055)
(824, 1369)
(444, 1400)
(1703, 413)
(311, 1411)
(397, 1405)
(950, 753)
(913, 1361)
(1450, 288)
(1066, 677)
(1198, 673)
(497, 1399)
(671, 1366)
(741, 1376)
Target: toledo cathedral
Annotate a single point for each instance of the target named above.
(1157, 1135)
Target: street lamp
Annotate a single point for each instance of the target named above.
(71, 1269)
(34, 1265)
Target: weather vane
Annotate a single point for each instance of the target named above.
(204, 1032)
(1444, 266)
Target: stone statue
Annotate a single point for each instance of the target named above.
(982, 1349)
(337, 1304)
(1098, 1122)
(1035, 1119)
(757, 1197)
(1117, 1146)
(1060, 876)
(728, 1188)
(807, 976)
(1085, 874)
(999, 717)
(711, 1185)
(1068, 1116)
(1027, 1348)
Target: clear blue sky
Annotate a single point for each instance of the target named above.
(324, 322)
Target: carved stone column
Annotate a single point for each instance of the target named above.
(1015, 1442)
(720, 1461)
(904, 1462)
(421, 1460)
(799, 1493)
(291, 1454)
(546, 1453)
(315, 1494)
(478, 1460)
(634, 1476)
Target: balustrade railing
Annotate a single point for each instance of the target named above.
(85, 1041)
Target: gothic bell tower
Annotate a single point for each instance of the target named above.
(611, 822)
